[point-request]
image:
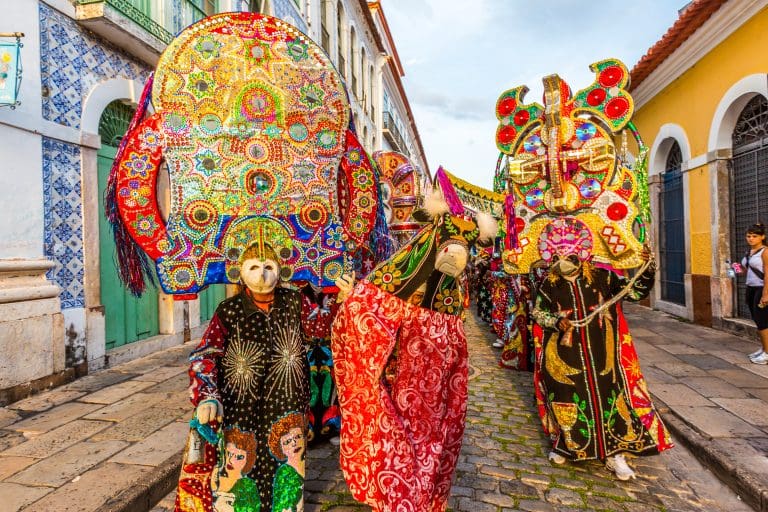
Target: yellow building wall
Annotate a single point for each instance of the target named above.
(690, 102)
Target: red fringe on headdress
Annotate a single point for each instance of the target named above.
(133, 265)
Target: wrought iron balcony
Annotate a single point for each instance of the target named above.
(126, 24)
(391, 133)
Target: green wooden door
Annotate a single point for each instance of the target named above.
(127, 318)
(210, 298)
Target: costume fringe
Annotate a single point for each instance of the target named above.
(511, 241)
(449, 193)
(133, 265)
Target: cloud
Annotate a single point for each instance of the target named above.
(461, 108)
(460, 56)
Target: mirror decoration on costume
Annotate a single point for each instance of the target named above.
(252, 121)
(568, 183)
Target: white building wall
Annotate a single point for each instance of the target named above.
(51, 319)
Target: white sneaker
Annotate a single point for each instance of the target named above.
(761, 359)
(335, 440)
(619, 466)
(498, 343)
(556, 458)
(756, 353)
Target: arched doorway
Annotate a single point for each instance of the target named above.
(749, 181)
(672, 229)
(127, 318)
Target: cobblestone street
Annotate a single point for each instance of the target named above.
(504, 466)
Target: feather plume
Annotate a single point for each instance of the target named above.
(435, 204)
(489, 227)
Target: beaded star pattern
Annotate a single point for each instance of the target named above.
(251, 119)
(573, 191)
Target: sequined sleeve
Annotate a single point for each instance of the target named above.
(642, 287)
(542, 311)
(202, 367)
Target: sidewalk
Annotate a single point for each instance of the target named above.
(712, 398)
(112, 441)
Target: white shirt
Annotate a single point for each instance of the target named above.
(755, 261)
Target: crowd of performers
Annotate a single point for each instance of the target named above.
(504, 301)
(272, 190)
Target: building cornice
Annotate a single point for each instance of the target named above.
(372, 25)
(688, 48)
(411, 118)
(376, 8)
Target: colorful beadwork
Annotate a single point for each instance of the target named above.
(573, 192)
(251, 120)
(403, 189)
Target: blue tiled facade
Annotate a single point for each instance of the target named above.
(72, 62)
(288, 11)
(63, 219)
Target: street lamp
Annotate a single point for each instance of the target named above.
(10, 68)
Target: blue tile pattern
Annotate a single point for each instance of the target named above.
(63, 219)
(178, 23)
(288, 11)
(72, 61)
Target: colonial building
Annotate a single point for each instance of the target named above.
(701, 96)
(63, 312)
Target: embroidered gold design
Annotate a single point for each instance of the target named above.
(556, 367)
(241, 362)
(610, 350)
(623, 409)
(566, 413)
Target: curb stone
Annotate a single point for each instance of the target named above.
(705, 449)
(144, 496)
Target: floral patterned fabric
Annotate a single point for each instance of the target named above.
(400, 434)
(592, 397)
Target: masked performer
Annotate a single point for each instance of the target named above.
(401, 367)
(579, 205)
(249, 372)
(595, 402)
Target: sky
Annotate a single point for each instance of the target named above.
(460, 55)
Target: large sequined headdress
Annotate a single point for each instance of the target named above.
(252, 121)
(570, 191)
(403, 189)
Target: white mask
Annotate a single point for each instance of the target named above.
(260, 276)
(452, 259)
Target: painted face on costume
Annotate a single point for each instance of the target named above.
(259, 275)
(452, 259)
(292, 444)
(236, 458)
(455, 235)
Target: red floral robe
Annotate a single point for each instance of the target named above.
(400, 434)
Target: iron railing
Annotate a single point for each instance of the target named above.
(750, 205)
(672, 247)
(137, 15)
(392, 133)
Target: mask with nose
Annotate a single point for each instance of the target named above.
(260, 269)
(452, 259)
(567, 266)
(259, 275)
